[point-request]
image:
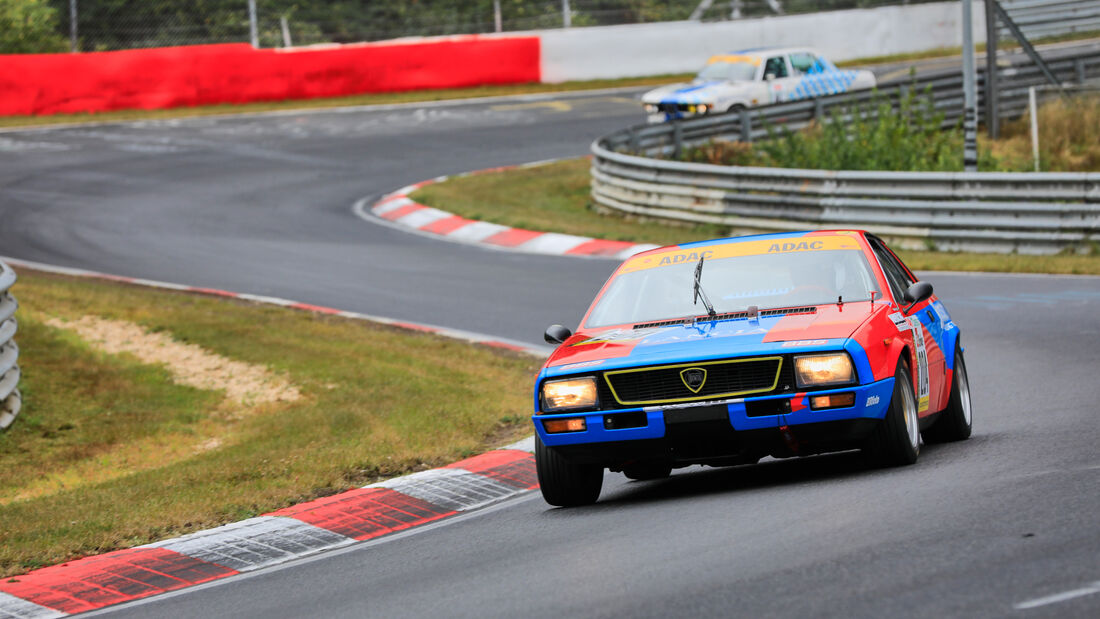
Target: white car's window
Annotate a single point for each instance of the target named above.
(804, 62)
(776, 67)
(732, 71)
(733, 284)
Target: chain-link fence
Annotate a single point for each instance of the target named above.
(124, 24)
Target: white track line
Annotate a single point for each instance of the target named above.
(1059, 597)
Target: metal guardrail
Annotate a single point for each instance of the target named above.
(977, 211)
(10, 400)
(1043, 18)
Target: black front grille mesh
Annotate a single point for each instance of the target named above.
(664, 384)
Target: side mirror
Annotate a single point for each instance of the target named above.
(556, 334)
(917, 292)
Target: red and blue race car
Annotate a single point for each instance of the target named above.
(722, 352)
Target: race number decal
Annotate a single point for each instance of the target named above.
(922, 364)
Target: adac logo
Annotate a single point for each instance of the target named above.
(803, 246)
(694, 378)
(692, 257)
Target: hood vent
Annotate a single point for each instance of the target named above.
(781, 311)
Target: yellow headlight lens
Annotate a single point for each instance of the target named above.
(569, 393)
(819, 370)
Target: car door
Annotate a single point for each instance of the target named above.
(927, 327)
(777, 78)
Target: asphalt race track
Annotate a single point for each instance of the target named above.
(1005, 524)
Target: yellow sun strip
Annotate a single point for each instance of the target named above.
(674, 256)
(734, 58)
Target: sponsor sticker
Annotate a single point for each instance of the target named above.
(872, 400)
(804, 343)
(922, 364)
(583, 364)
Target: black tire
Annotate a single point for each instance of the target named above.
(563, 482)
(896, 441)
(735, 108)
(956, 421)
(645, 471)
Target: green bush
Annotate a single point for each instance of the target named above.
(876, 136)
(29, 27)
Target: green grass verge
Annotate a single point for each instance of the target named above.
(168, 459)
(555, 198)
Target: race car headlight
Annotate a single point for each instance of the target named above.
(650, 108)
(569, 393)
(822, 370)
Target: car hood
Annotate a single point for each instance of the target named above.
(694, 92)
(823, 326)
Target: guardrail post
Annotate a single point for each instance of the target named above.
(746, 126)
(1079, 70)
(677, 138)
(819, 110)
(10, 400)
(634, 140)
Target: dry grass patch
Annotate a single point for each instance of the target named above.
(244, 383)
(1069, 138)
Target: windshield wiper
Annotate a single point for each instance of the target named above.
(699, 292)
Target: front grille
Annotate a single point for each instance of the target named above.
(664, 385)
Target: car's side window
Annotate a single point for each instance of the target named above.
(775, 67)
(802, 62)
(894, 273)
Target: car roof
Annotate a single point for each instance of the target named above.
(761, 52)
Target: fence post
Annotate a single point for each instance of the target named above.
(72, 26)
(253, 30)
(1079, 70)
(634, 140)
(992, 115)
(819, 109)
(746, 126)
(677, 137)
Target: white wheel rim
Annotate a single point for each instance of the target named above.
(964, 390)
(909, 411)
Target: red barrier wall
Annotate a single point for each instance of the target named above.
(236, 73)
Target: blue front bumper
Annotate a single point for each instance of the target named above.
(871, 402)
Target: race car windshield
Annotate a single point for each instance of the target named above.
(733, 284)
(728, 71)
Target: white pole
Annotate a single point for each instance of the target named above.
(252, 29)
(1034, 112)
(970, 105)
(701, 8)
(286, 32)
(496, 16)
(566, 14)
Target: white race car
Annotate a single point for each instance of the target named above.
(752, 77)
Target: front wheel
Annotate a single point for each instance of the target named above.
(956, 421)
(896, 441)
(563, 482)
